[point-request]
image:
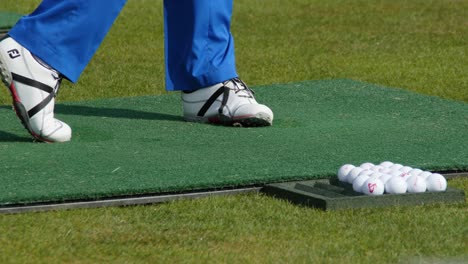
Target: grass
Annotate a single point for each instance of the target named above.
(239, 229)
(416, 45)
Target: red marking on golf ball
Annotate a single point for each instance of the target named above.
(371, 187)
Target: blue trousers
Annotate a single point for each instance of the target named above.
(199, 47)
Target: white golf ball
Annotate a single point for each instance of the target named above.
(367, 165)
(376, 168)
(396, 166)
(384, 178)
(405, 169)
(405, 175)
(366, 172)
(436, 183)
(385, 170)
(373, 186)
(343, 171)
(375, 174)
(358, 182)
(386, 164)
(396, 185)
(415, 172)
(425, 174)
(395, 173)
(416, 184)
(353, 174)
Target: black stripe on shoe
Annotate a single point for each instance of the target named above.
(212, 99)
(41, 105)
(33, 83)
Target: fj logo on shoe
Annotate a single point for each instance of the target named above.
(14, 53)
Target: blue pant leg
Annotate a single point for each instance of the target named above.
(66, 33)
(199, 47)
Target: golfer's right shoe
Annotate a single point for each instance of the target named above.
(33, 85)
(230, 103)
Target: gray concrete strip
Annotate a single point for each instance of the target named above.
(450, 176)
(143, 200)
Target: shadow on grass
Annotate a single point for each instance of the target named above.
(9, 137)
(93, 111)
(114, 113)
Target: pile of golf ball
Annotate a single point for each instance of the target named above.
(389, 177)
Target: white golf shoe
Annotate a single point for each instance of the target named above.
(33, 86)
(229, 103)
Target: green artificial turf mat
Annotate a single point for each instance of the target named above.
(141, 145)
(8, 20)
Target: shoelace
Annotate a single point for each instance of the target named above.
(239, 86)
(59, 83)
(56, 75)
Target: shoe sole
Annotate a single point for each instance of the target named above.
(18, 107)
(258, 120)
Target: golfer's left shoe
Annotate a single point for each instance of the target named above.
(229, 103)
(33, 86)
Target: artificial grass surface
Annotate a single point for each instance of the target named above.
(141, 145)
